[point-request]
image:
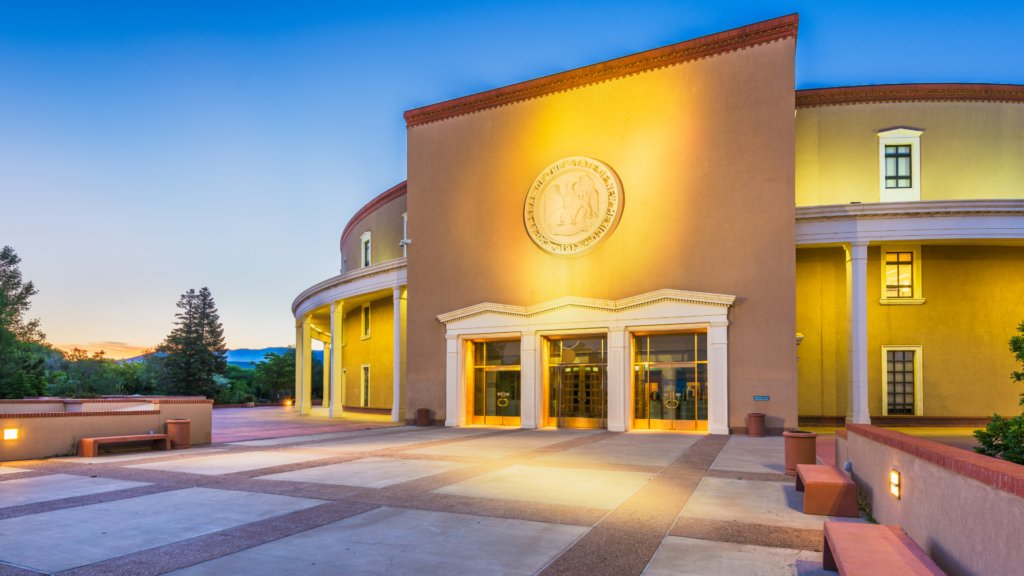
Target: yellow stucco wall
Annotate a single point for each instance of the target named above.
(969, 150)
(377, 351)
(385, 226)
(972, 308)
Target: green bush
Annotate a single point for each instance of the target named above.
(1003, 438)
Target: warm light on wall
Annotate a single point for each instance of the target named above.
(10, 433)
(894, 483)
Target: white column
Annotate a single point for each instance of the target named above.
(337, 363)
(618, 419)
(327, 371)
(857, 333)
(298, 365)
(529, 385)
(453, 416)
(396, 403)
(718, 378)
(306, 400)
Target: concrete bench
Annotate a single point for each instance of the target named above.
(828, 491)
(874, 550)
(90, 446)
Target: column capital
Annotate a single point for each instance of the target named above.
(337, 306)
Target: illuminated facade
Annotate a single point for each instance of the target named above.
(651, 242)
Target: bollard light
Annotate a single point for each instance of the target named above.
(10, 433)
(894, 483)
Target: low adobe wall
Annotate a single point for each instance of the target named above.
(43, 434)
(964, 509)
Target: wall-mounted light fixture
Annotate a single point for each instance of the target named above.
(10, 433)
(894, 483)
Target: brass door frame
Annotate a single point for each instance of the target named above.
(649, 423)
(576, 422)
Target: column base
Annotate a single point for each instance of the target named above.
(306, 409)
(335, 412)
(858, 419)
(719, 430)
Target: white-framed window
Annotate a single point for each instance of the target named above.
(902, 381)
(344, 262)
(364, 250)
(364, 386)
(405, 234)
(364, 326)
(899, 165)
(902, 281)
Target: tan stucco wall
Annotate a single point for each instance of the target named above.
(972, 308)
(705, 155)
(50, 436)
(967, 527)
(377, 351)
(969, 150)
(385, 227)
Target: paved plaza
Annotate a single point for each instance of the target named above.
(381, 499)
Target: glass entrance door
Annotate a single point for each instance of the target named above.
(496, 383)
(670, 382)
(577, 381)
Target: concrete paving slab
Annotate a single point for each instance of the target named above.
(689, 557)
(9, 470)
(64, 539)
(569, 486)
(368, 472)
(56, 486)
(326, 436)
(420, 436)
(508, 444)
(135, 455)
(229, 463)
(760, 455)
(640, 448)
(755, 502)
(402, 542)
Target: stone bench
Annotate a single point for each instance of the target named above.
(874, 550)
(827, 491)
(90, 446)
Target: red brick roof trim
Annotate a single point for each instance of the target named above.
(992, 471)
(388, 195)
(890, 93)
(720, 43)
(78, 414)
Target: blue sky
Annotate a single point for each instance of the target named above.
(146, 149)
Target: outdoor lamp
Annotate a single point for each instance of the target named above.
(894, 483)
(10, 433)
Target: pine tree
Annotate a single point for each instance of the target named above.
(14, 299)
(195, 349)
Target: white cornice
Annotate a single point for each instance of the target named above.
(908, 209)
(348, 278)
(578, 302)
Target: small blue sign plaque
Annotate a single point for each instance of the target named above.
(760, 398)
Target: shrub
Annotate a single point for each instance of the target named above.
(1003, 438)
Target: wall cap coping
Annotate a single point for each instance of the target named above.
(348, 277)
(579, 302)
(673, 54)
(897, 93)
(371, 206)
(139, 400)
(841, 433)
(915, 209)
(997, 473)
(79, 414)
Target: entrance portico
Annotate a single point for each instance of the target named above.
(616, 321)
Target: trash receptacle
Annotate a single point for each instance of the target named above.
(755, 425)
(423, 417)
(801, 448)
(180, 432)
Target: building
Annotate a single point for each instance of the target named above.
(653, 241)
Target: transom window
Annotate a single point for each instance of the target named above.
(899, 274)
(900, 381)
(897, 167)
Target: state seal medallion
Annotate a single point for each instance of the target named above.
(573, 206)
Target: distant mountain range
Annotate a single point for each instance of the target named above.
(243, 356)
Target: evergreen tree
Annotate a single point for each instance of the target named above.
(14, 299)
(22, 373)
(194, 350)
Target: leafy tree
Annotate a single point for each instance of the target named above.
(14, 299)
(1004, 437)
(195, 351)
(21, 372)
(275, 374)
